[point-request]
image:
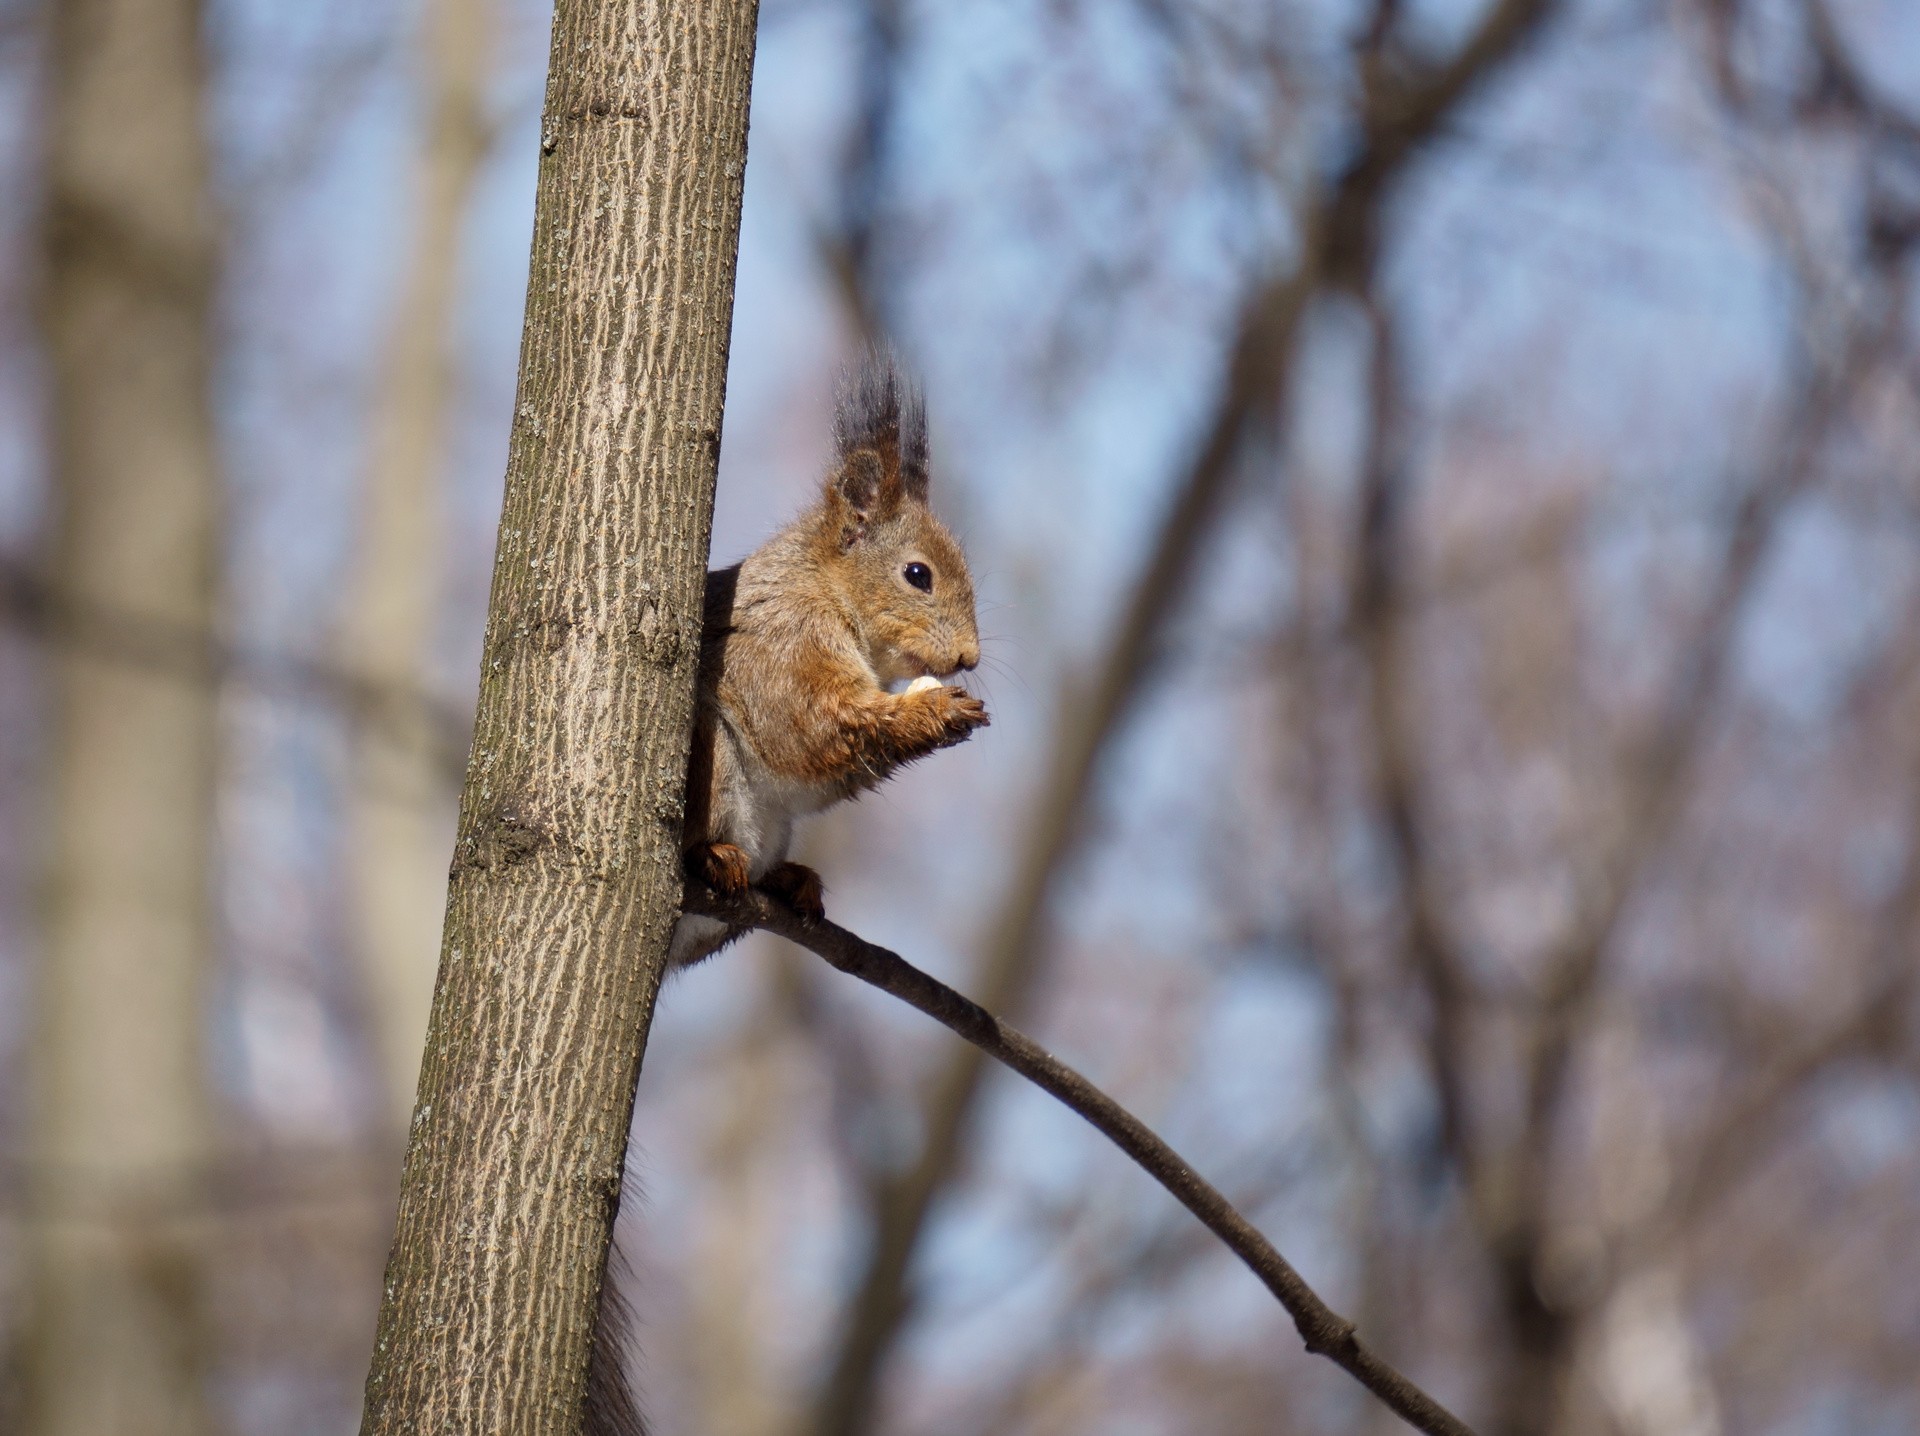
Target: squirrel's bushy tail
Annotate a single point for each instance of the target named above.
(612, 1407)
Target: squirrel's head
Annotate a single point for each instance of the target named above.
(899, 566)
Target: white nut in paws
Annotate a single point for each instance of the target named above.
(922, 684)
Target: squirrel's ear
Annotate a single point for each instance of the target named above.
(866, 490)
(864, 493)
(860, 480)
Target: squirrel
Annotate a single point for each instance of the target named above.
(801, 644)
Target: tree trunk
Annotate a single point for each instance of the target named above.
(566, 872)
(399, 812)
(119, 1120)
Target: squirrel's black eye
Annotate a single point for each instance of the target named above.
(920, 576)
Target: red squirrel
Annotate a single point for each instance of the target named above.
(801, 644)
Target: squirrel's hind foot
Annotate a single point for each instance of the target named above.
(721, 866)
(799, 887)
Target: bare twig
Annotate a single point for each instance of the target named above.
(1325, 1332)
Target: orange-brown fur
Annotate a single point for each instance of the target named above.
(802, 642)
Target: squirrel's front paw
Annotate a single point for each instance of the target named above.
(962, 713)
(721, 866)
(959, 713)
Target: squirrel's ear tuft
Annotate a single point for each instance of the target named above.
(881, 411)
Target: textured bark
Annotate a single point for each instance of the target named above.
(399, 810)
(120, 1123)
(566, 879)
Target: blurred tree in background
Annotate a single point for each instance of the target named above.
(1440, 479)
(119, 1123)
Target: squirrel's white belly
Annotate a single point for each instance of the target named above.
(762, 821)
(756, 815)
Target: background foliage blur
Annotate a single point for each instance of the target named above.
(1441, 481)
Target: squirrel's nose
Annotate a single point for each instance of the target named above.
(969, 659)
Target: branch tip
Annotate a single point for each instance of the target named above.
(1324, 1331)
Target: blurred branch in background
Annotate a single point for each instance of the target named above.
(1508, 1179)
(1114, 1273)
(1503, 1062)
(191, 655)
(118, 1333)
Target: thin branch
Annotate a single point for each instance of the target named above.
(1325, 1332)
